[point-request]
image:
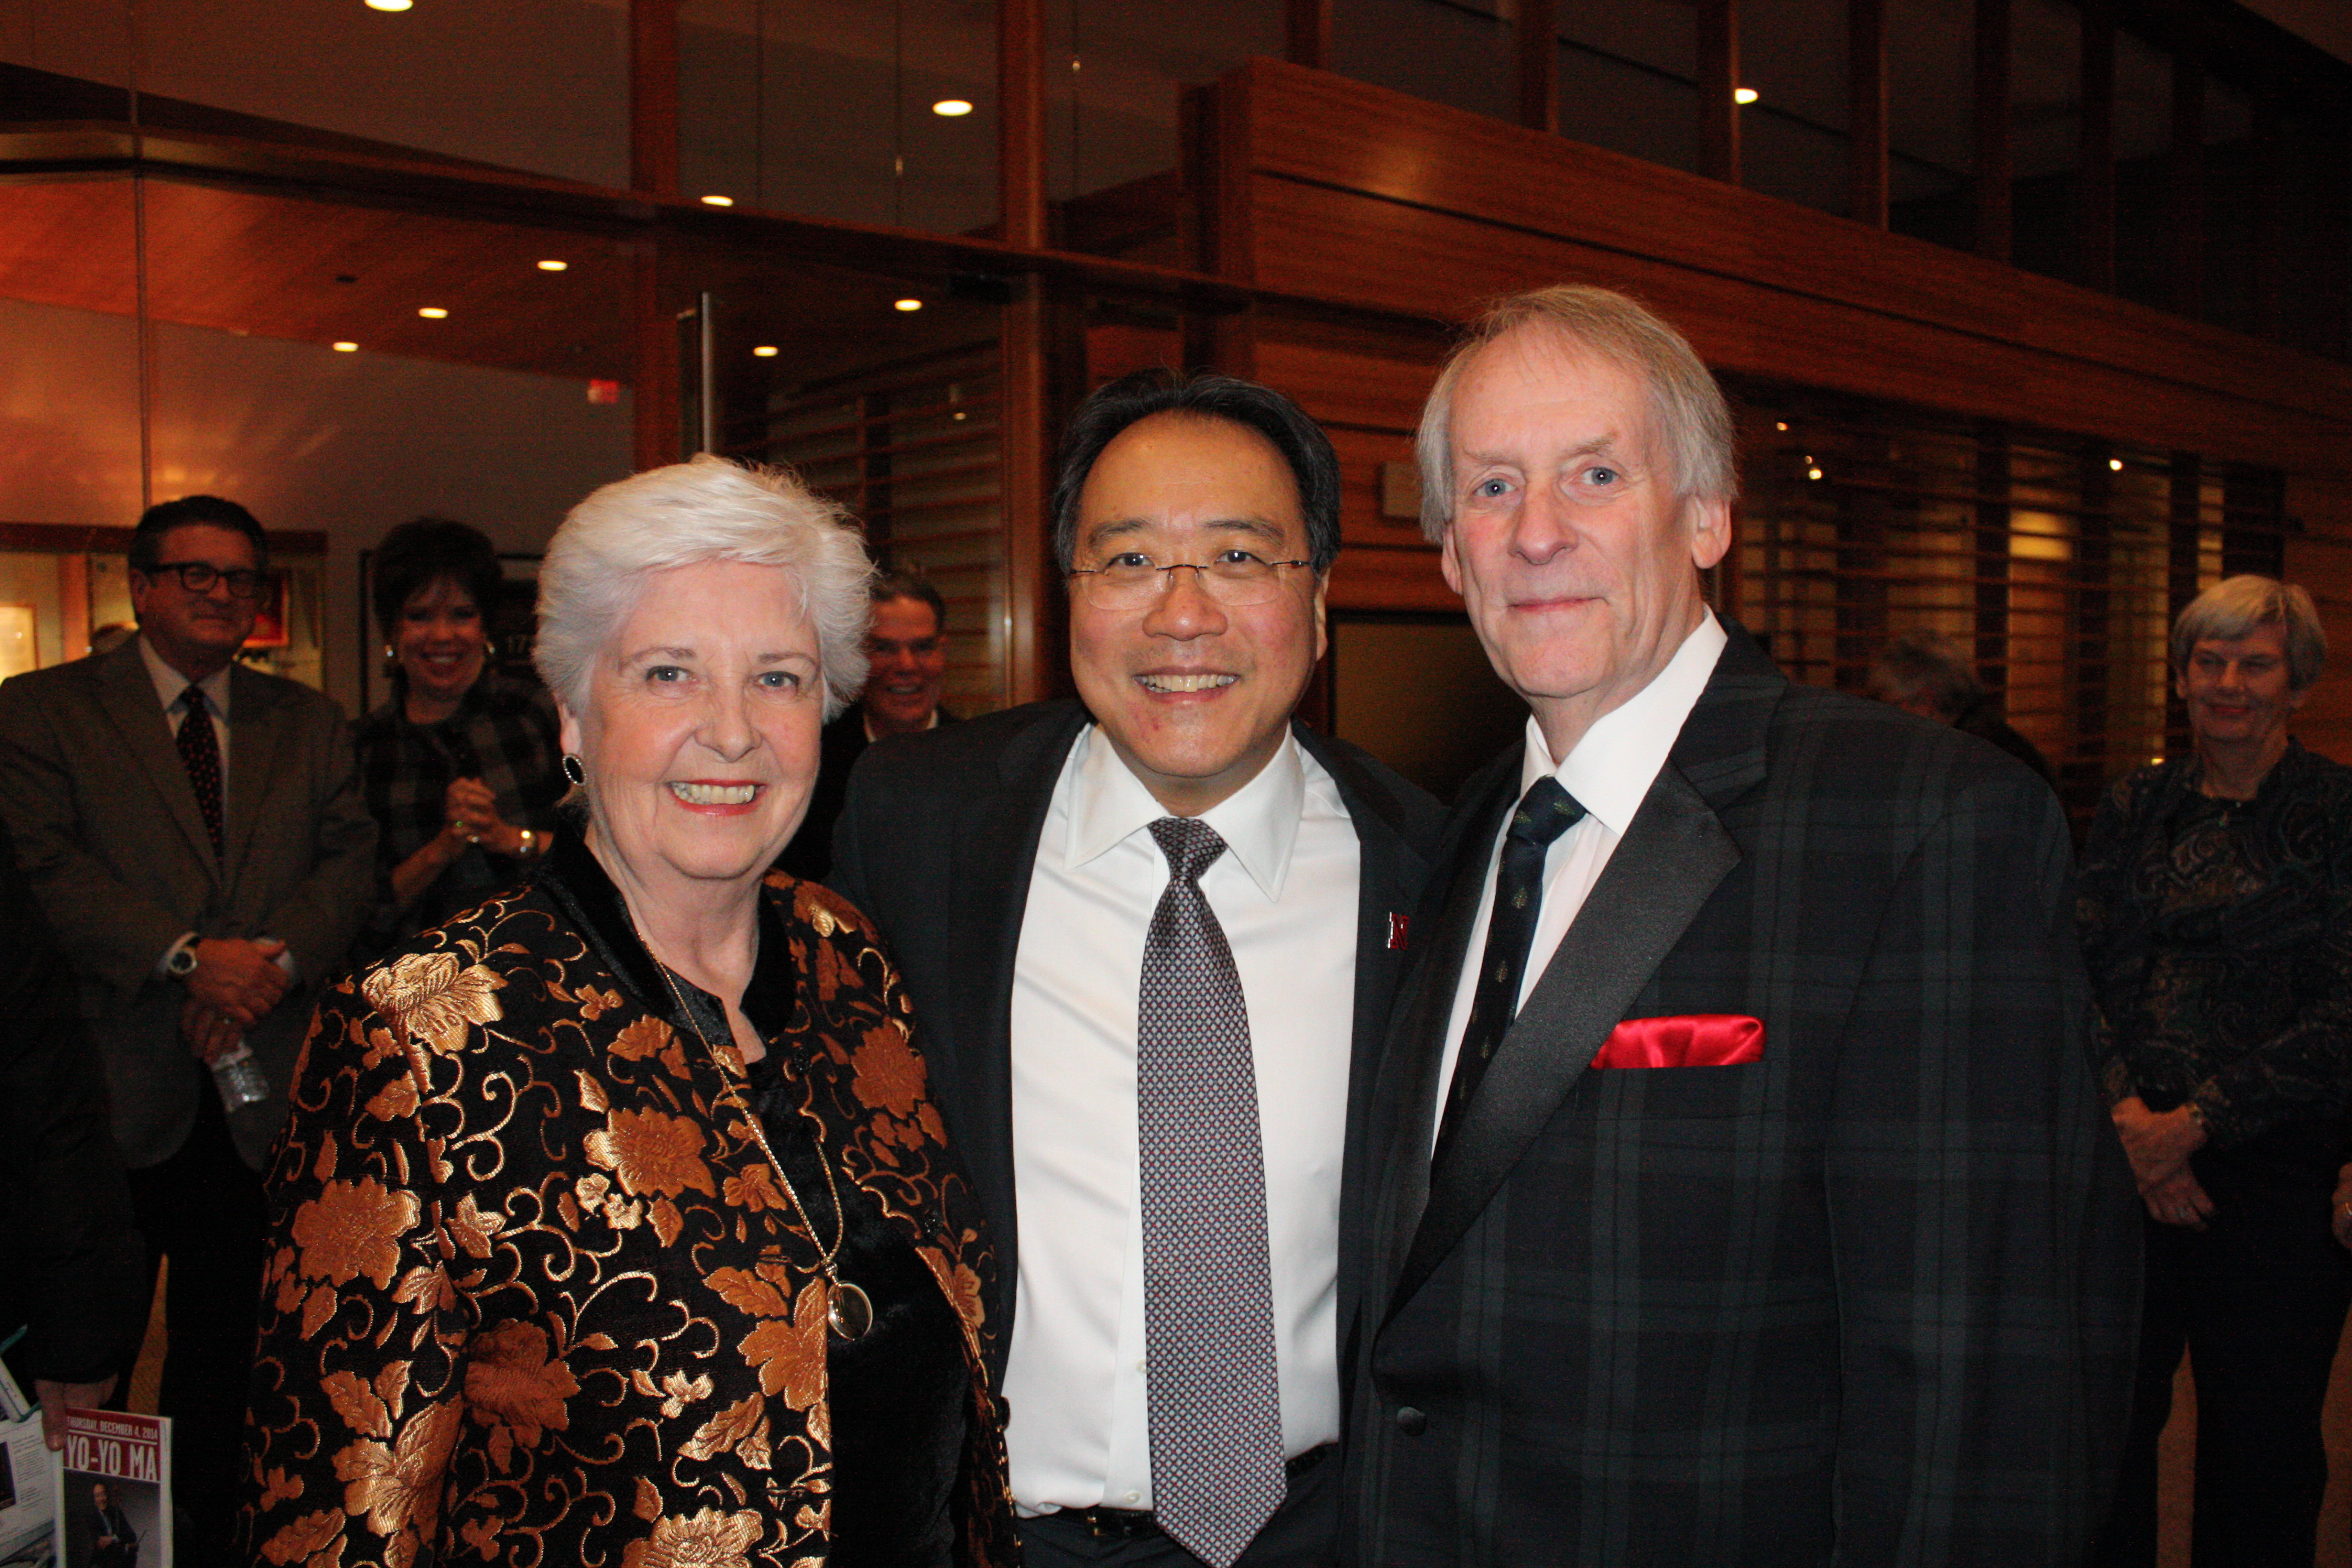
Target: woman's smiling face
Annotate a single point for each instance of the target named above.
(700, 736)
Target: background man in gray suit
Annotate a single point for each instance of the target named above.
(195, 832)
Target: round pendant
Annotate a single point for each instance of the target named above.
(851, 1315)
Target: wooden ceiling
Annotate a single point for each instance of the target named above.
(318, 272)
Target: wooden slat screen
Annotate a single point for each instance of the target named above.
(913, 450)
(2058, 561)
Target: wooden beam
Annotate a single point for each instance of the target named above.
(1021, 121)
(1718, 78)
(1307, 33)
(653, 97)
(1865, 93)
(1537, 37)
(2095, 209)
(1022, 493)
(1994, 168)
(653, 386)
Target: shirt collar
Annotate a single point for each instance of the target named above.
(170, 682)
(1258, 822)
(1610, 771)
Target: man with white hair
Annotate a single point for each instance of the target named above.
(1740, 1190)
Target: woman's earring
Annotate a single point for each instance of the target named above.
(573, 770)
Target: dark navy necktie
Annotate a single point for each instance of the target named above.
(200, 754)
(1543, 814)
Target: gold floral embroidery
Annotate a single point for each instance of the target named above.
(652, 1152)
(397, 1489)
(434, 997)
(650, 1038)
(741, 1428)
(304, 1537)
(707, 1540)
(351, 1230)
(513, 1387)
(890, 1073)
(481, 1535)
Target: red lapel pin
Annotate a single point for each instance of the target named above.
(1397, 924)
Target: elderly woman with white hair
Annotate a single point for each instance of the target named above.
(614, 1223)
(2216, 912)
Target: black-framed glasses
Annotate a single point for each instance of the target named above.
(199, 577)
(1133, 581)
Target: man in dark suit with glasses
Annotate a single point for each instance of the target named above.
(194, 831)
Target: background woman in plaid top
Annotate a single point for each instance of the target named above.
(460, 765)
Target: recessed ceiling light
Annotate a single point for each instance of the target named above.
(765, 350)
(1743, 95)
(553, 266)
(431, 313)
(1782, 425)
(347, 348)
(2116, 464)
(718, 201)
(951, 108)
(1812, 473)
(908, 304)
(390, 4)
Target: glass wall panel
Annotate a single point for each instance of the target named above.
(1628, 79)
(1457, 52)
(2143, 144)
(2045, 135)
(1793, 137)
(1931, 119)
(881, 113)
(1115, 75)
(534, 85)
(894, 413)
(2233, 190)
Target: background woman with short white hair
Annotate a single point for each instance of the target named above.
(614, 1223)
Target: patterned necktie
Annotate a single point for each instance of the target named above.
(200, 754)
(1545, 812)
(1207, 1297)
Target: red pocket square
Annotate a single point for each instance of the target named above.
(1690, 1040)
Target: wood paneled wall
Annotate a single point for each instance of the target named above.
(1322, 191)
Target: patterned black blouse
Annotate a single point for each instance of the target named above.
(2219, 935)
(504, 734)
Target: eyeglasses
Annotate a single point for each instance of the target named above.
(199, 577)
(1133, 581)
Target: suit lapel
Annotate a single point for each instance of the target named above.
(1673, 854)
(128, 694)
(995, 853)
(256, 727)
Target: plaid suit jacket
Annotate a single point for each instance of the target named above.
(1869, 1300)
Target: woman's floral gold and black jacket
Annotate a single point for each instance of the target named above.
(534, 1295)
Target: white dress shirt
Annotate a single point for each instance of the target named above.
(171, 684)
(1285, 892)
(1610, 771)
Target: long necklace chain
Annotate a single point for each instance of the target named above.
(848, 1312)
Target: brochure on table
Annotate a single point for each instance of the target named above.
(104, 1502)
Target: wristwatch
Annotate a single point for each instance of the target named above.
(183, 962)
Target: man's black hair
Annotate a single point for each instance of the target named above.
(147, 539)
(902, 582)
(1139, 395)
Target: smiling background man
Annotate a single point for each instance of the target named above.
(1741, 1194)
(907, 653)
(1151, 937)
(194, 831)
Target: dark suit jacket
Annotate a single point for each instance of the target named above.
(936, 845)
(107, 829)
(72, 1270)
(1870, 1299)
(810, 854)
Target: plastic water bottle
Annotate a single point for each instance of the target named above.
(239, 1078)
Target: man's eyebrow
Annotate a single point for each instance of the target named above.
(1597, 446)
(1257, 527)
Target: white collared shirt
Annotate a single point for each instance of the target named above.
(171, 684)
(1609, 772)
(1285, 892)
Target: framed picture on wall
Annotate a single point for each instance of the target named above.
(269, 622)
